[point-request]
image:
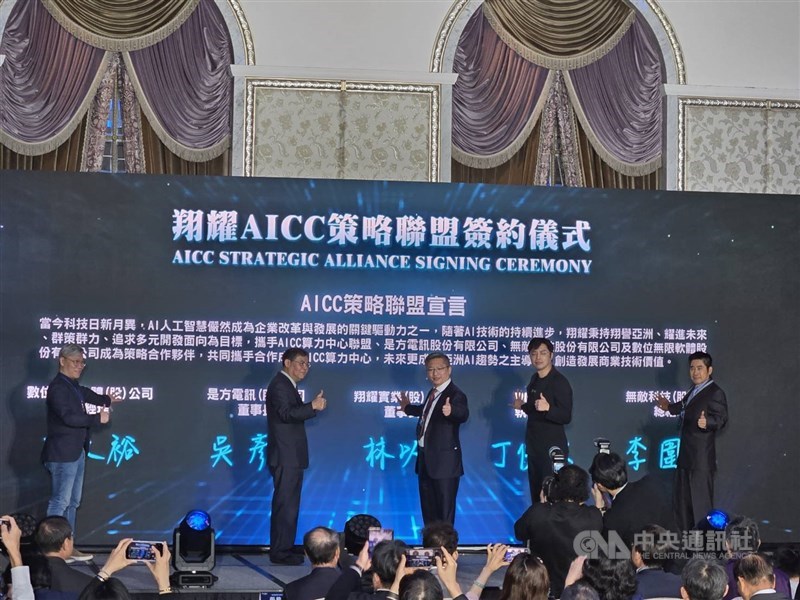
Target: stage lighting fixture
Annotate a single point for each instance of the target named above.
(194, 552)
(356, 532)
(557, 458)
(603, 445)
(718, 519)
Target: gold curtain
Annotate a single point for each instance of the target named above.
(560, 34)
(520, 169)
(598, 174)
(120, 25)
(67, 157)
(159, 160)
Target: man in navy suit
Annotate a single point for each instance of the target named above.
(649, 555)
(287, 451)
(703, 412)
(755, 577)
(439, 466)
(321, 545)
(69, 434)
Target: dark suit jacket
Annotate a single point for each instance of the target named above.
(546, 429)
(68, 425)
(647, 501)
(64, 578)
(550, 530)
(655, 583)
(698, 448)
(442, 445)
(348, 587)
(287, 445)
(314, 585)
(782, 585)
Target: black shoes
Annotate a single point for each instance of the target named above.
(286, 559)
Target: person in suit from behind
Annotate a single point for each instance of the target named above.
(550, 527)
(287, 451)
(703, 412)
(321, 546)
(548, 403)
(634, 504)
(703, 579)
(754, 577)
(439, 465)
(386, 559)
(742, 538)
(648, 555)
(54, 539)
(69, 435)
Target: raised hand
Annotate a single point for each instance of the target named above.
(662, 402)
(520, 398)
(404, 401)
(447, 409)
(541, 404)
(319, 402)
(702, 422)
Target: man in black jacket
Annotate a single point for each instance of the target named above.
(321, 546)
(54, 539)
(548, 403)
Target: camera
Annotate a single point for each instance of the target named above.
(513, 552)
(143, 550)
(603, 445)
(422, 557)
(557, 457)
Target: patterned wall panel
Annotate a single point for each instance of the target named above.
(339, 129)
(750, 146)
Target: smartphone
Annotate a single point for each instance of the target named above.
(376, 535)
(422, 557)
(514, 551)
(142, 550)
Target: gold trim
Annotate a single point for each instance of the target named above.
(433, 92)
(244, 28)
(443, 35)
(723, 102)
(677, 52)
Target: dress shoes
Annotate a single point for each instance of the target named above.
(286, 559)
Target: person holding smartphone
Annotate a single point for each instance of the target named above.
(439, 465)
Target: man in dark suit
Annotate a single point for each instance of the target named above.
(384, 562)
(439, 466)
(754, 577)
(54, 539)
(69, 434)
(634, 504)
(703, 580)
(703, 412)
(741, 539)
(548, 403)
(287, 451)
(321, 546)
(550, 527)
(649, 555)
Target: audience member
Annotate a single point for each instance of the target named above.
(321, 546)
(495, 558)
(703, 580)
(441, 534)
(20, 585)
(54, 539)
(580, 590)
(526, 579)
(386, 558)
(550, 527)
(613, 578)
(634, 504)
(754, 576)
(788, 560)
(420, 585)
(742, 538)
(649, 555)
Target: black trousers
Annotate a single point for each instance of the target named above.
(288, 482)
(693, 497)
(436, 496)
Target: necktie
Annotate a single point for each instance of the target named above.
(429, 402)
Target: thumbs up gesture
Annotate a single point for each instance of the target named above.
(319, 402)
(447, 409)
(702, 422)
(541, 404)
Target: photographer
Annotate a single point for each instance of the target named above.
(20, 574)
(550, 528)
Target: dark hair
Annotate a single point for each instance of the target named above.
(526, 579)
(704, 356)
(420, 585)
(580, 590)
(788, 560)
(614, 579)
(570, 483)
(609, 470)
(293, 353)
(321, 545)
(440, 533)
(538, 341)
(653, 545)
(742, 535)
(51, 533)
(754, 569)
(704, 579)
(385, 558)
(435, 355)
(38, 569)
(110, 589)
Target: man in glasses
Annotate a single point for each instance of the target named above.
(287, 452)
(439, 465)
(69, 423)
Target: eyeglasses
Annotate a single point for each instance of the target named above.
(436, 369)
(302, 363)
(78, 362)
